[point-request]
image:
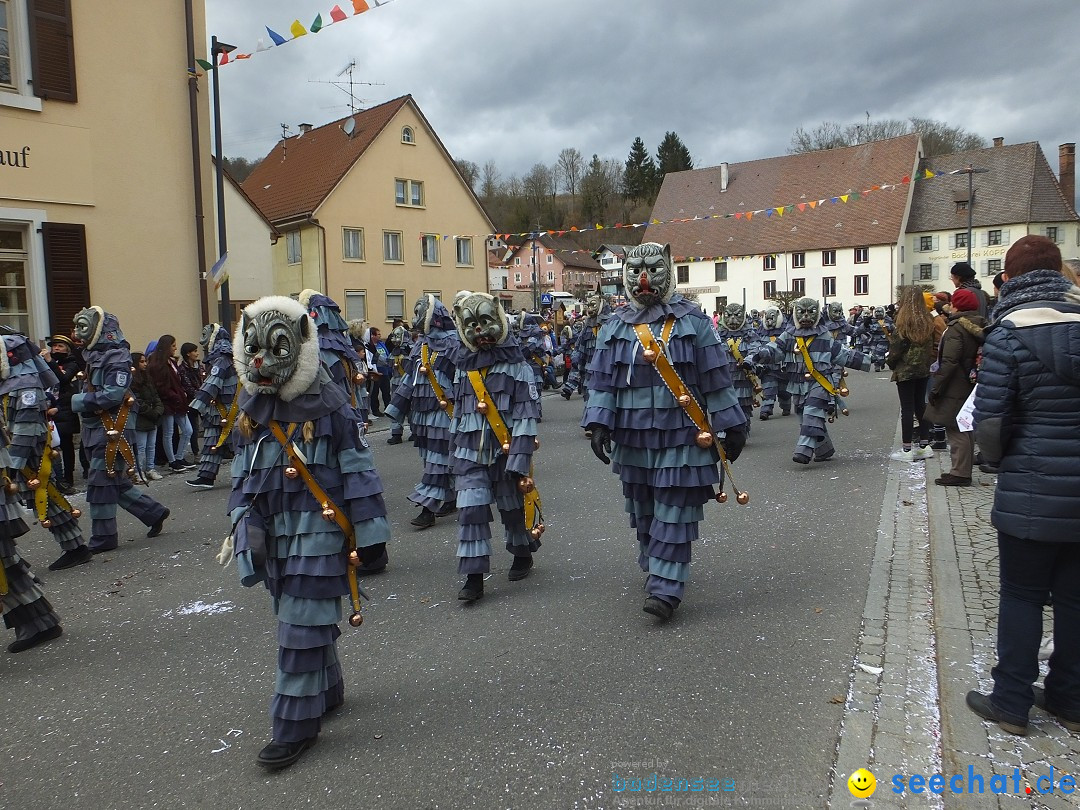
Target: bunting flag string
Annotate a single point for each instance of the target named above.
(297, 30)
(778, 210)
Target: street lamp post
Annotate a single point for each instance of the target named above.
(535, 275)
(216, 49)
(970, 171)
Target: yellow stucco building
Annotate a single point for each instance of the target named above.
(373, 212)
(97, 166)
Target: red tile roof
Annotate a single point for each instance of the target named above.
(299, 173)
(873, 219)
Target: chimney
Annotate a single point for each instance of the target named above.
(723, 177)
(999, 141)
(1067, 172)
(305, 128)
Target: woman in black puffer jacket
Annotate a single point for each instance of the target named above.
(1027, 409)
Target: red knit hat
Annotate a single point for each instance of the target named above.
(964, 300)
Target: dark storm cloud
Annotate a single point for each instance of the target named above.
(517, 82)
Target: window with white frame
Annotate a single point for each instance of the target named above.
(720, 271)
(798, 286)
(959, 239)
(505, 283)
(925, 272)
(798, 260)
(828, 258)
(994, 237)
(409, 193)
(429, 248)
(391, 241)
(768, 262)
(828, 287)
(292, 247)
(682, 274)
(407, 135)
(352, 248)
(395, 304)
(517, 278)
(926, 244)
(436, 293)
(7, 72)
(862, 255)
(14, 263)
(551, 275)
(769, 288)
(464, 251)
(356, 305)
(993, 267)
(550, 259)
(1052, 233)
(862, 285)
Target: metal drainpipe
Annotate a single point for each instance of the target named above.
(196, 163)
(322, 256)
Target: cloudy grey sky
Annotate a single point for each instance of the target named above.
(516, 82)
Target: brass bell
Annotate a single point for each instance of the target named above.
(481, 407)
(423, 369)
(112, 434)
(536, 444)
(542, 528)
(356, 619)
(843, 391)
(443, 403)
(843, 372)
(11, 488)
(328, 512)
(33, 483)
(845, 411)
(721, 497)
(76, 513)
(649, 356)
(704, 439)
(832, 419)
(80, 375)
(535, 533)
(526, 484)
(129, 400)
(354, 558)
(54, 453)
(46, 524)
(291, 472)
(506, 447)
(684, 400)
(808, 376)
(111, 473)
(743, 498)
(359, 378)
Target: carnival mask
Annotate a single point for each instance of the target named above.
(807, 312)
(592, 305)
(88, 323)
(647, 275)
(879, 313)
(772, 318)
(423, 311)
(835, 310)
(396, 338)
(275, 349)
(734, 317)
(206, 339)
(480, 321)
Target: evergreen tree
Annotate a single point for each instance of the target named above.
(639, 178)
(672, 155)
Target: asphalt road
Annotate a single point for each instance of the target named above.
(544, 694)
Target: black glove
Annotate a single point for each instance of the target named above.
(734, 441)
(601, 442)
(746, 366)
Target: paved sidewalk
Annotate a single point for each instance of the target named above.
(928, 636)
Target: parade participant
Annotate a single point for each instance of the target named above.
(658, 373)
(836, 322)
(875, 331)
(216, 403)
(742, 342)
(496, 409)
(65, 364)
(24, 377)
(773, 377)
(534, 346)
(425, 397)
(306, 508)
(338, 352)
(399, 344)
(819, 359)
(23, 603)
(108, 429)
(597, 312)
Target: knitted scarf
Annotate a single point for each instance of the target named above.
(1038, 285)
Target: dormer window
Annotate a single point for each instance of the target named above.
(407, 135)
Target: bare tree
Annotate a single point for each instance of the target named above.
(570, 167)
(938, 138)
(489, 183)
(469, 171)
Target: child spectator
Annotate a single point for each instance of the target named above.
(150, 409)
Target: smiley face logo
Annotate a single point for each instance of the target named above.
(862, 784)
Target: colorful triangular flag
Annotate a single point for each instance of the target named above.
(297, 30)
(204, 64)
(275, 37)
(316, 24)
(360, 6)
(336, 14)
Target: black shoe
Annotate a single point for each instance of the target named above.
(64, 488)
(425, 520)
(565, 395)
(411, 439)
(200, 483)
(394, 440)
(281, 755)
(69, 559)
(38, 638)
(155, 530)
(940, 445)
(378, 563)
(658, 608)
(1040, 701)
(798, 458)
(950, 480)
(101, 549)
(981, 705)
(520, 569)
(178, 466)
(826, 456)
(448, 509)
(764, 417)
(989, 469)
(785, 411)
(473, 588)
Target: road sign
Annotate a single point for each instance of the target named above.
(545, 299)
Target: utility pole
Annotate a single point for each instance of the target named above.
(536, 270)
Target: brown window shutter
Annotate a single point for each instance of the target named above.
(67, 276)
(52, 49)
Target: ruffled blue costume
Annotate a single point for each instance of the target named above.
(482, 471)
(666, 477)
(218, 389)
(306, 561)
(415, 400)
(336, 351)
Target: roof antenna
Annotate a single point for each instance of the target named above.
(284, 139)
(350, 69)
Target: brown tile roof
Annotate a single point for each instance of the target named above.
(874, 219)
(299, 173)
(1018, 186)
